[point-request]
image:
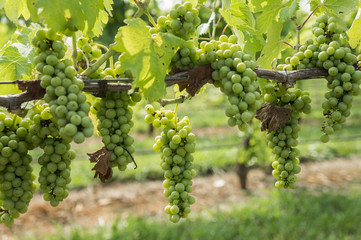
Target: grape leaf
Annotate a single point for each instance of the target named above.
(354, 33)
(289, 11)
(272, 47)
(226, 4)
(146, 56)
(14, 9)
(203, 28)
(15, 59)
(272, 116)
(269, 10)
(13, 64)
(313, 3)
(103, 167)
(242, 22)
(86, 15)
(344, 6)
(198, 77)
(239, 14)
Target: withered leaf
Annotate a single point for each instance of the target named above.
(272, 116)
(81, 64)
(103, 167)
(31, 88)
(197, 77)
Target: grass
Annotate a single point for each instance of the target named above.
(325, 214)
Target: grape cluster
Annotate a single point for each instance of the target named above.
(16, 178)
(87, 53)
(116, 72)
(42, 125)
(115, 122)
(177, 143)
(186, 57)
(330, 53)
(233, 73)
(181, 21)
(54, 176)
(64, 93)
(283, 141)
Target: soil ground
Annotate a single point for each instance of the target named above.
(102, 203)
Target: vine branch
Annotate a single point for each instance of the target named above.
(14, 101)
(181, 99)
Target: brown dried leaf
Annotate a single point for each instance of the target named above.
(81, 64)
(103, 167)
(197, 77)
(272, 116)
(32, 88)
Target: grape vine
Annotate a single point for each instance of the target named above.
(174, 44)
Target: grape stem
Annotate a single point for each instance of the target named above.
(288, 44)
(175, 115)
(201, 5)
(136, 166)
(151, 19)
(75, 52)
(93, 67)
(181, 99)
(111, 62)
(224, 29)
(142, 7)
(298, 33)
(309, 16)
(214, 20)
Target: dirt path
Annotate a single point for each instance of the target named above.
(101, 204)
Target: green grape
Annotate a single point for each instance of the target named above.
(329, 52)
(284, 140)
(233, 73)
(115, 122)
(177, 145)
(58, 78)
(181, 21)
(17, 187)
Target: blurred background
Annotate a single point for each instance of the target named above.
(236, 197)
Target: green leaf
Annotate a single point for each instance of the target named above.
(268, 11)
(242, 22)
(354, 33)
(272, 47)
(33, 10)
(204, 27)
(344, 6)
(226, 4)
(313, 3)
(146, 56)
(86, 15)
(14, 9)
(15, 58)
(238, 14)
(253, 43)
(289, 11)
(14, 62)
